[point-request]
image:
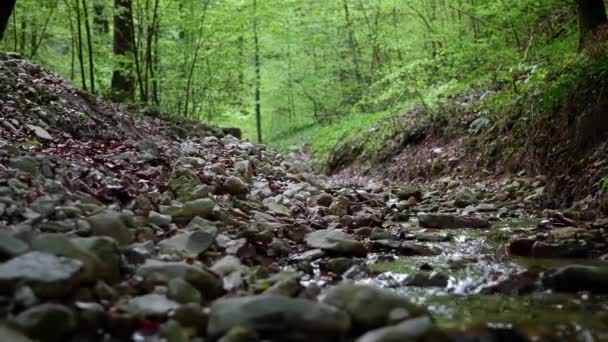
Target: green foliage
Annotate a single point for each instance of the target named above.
(324, 64)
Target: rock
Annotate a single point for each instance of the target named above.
(151, 305)
(559, 250)
(172, 331)
(283, 284)
(40, 132)
(189, 243)
(279, 317)
(27, 164)
(447, 221)
(335, 240)
(406, 192)
(192, 315)
(92, 316)
(433, 237)
(340, 206)
(111, 224)
(99, 255)
(521, 247)
(427, 280)
(464, 198)
(378, 233)
(159, 219)
(235, 186)
(48, 275)
(10, 246)
(417, 329)
(320, 200)
(370, 307)
(182, 292)
(46, 322)
(408, 248)
(183, 180)
(240, 334)
(574, 278)
(516, 284)
(25, 297)
(10, 335)
(202, 207)
(208, 284)
(278, 209)
(337, 265)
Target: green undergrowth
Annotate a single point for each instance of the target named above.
(322, 138)
(506, 101)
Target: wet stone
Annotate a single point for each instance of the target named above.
(151, 305)
(10, 246)
(46, 322)
(574, 278)
(48, 275)
(369, 306)
(334, 240)
(448, 221)
(278, 316)
(427, 280)
(111, 224)
(417, 329)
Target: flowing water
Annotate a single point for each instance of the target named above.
(474, 262)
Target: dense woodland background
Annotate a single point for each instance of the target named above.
(308, 71)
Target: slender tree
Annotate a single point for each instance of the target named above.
(258, 76)
(79, 40)
(122, 77)
(6, 9)
(89, 46)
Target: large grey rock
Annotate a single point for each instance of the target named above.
(235, 186)
(11, 246)
(46, 322)
(409, 191)
(188, 243)
(182, 292)
(280, 317)
(417, 329)
(335, 240)
(448, 221)
(202, 207)
(370, 307)
(111, 224)
(151, 305)
(159, 219)
(208, 284)
(48, 275)
(183, 181)
(9, 335)
(574, 278)
(99, 255)
(465, 198)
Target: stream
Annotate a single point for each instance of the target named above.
(473, 264)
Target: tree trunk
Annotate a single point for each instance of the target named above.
(79, 40)
(122, 77)
(591, 15)
(258, 77)
(6, 9)
(352, 42)
(89, 46)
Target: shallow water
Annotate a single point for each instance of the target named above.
(474, 260)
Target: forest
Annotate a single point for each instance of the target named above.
(312, 170)
(305, 64)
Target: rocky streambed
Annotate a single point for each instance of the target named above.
(180, 232)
